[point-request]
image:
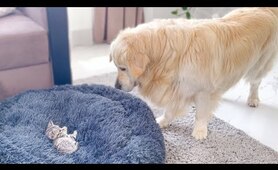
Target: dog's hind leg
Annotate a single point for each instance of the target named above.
(205, 105)
(255, 77)
(253, 98)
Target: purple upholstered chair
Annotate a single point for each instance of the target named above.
(24, 52)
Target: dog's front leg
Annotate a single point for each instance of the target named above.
(205, 104)
(168, 116)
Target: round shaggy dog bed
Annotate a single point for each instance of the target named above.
(113, 126)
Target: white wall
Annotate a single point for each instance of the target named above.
(80, 21)
(196, 12)
(158, 12)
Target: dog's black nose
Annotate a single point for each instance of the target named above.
(118, 85)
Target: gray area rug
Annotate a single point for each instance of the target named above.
(225, 144)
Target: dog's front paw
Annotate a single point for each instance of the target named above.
(253, 102)
(163, 123)
(200, 133)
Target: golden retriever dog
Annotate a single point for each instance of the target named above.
(179, 62)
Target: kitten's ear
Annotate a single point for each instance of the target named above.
(50, 123)
(74, 134)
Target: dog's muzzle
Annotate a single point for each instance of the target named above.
(118, 85)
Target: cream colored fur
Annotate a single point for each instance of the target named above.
(177, 62)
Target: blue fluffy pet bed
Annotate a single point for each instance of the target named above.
(113, 126)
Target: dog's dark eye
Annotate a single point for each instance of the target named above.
(122, 69)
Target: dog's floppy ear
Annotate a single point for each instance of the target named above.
(110, 58)
(137, 64)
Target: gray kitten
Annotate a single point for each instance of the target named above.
(66, 144)
(54, 131)
(63, 142)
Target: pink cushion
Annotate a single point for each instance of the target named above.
(18, 80)
(22, 42)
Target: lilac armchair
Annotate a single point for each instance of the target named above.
(24, 52)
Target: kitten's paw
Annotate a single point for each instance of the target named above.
(163, 123)
(253, 102)
(200, 133)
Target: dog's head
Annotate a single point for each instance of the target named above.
(128, 53)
